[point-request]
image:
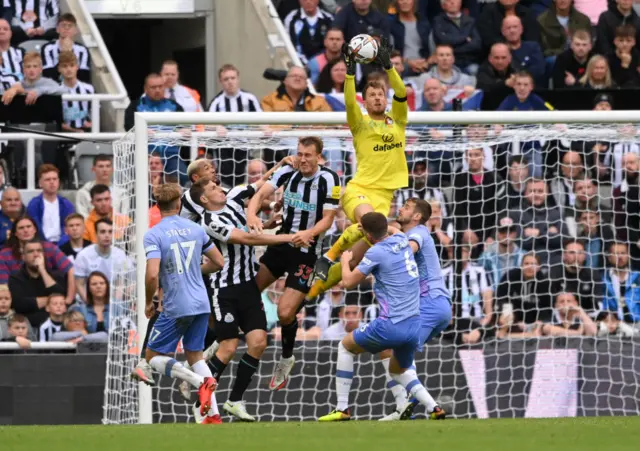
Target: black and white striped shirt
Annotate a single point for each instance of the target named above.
(12, 60)
(75, 112)
(47, 12)
(403, 195)
(51, 54)
(189, 209)
(241, 102)
(239, 259)
(7, 81)
(48, 329)
(467, 291)
(306, 198)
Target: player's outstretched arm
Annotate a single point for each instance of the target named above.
(350, 279)
(289, 160)
(216, 260)
(254, 223)
(354, 114)
(241, 237)
(399, 107)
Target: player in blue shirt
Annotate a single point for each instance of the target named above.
(397, 291)
(174, 248)
(435, 304)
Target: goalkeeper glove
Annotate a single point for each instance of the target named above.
(349, 60)
(384, 53)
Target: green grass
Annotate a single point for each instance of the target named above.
(580, 434)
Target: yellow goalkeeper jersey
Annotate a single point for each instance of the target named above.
(380, 145)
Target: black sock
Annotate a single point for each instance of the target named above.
(216, 367)
(289, 338)
(147, 334)
(246, 368)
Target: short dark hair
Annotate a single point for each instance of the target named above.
(102, 157)
(98, 189)
(17, 318)
(444, 45)
(67, 17)
(520, 159)
(531, 254)
(315, 141)
(423, 207)
(375, 224)
(396, 53)
(106, 221)
(73, 216)
(524, 74)
(570, 241)
(626, 31)
(374, 84)
(618, 243)
(197, 190)
(34, 240)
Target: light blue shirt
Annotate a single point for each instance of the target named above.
(179, 244)
(431, 281)
(397, 286)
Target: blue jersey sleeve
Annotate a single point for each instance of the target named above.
(152, 245)
(369, 262)
(417, 238)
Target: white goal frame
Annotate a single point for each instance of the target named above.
(144, 120)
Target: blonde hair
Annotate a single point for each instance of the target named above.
(70, 316)
(166, 195)
(4, 287)
(586, 78)
(32, 57)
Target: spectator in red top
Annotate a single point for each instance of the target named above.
(24, 230)
(332, 50)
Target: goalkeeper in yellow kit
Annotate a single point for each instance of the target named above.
(379, 141)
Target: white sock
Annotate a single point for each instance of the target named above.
(397, 390)
(409, 380)
(172, 368)
(201, 368)
(344, 376)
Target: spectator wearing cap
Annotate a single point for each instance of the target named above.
(627, 206)
(458, 30)
(624, 62)
(447, 72)
(11, 56)
(557, 24)
(49, 209)
(495, 13)
(360, 17)
(293, 95)
(496, 75)
(410, 35)
(621, 13)
(34, 24)
(333, 41)
(571, 64)
(67, 29)
(76, 113)
(526, 55)
(603, 102)
(503, 254)
(12, 209)
(307, 27)
(187, 98)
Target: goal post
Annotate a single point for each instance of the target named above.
(126, 402)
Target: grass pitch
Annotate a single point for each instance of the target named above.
(567, 434)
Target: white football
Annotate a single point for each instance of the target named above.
(363, 48)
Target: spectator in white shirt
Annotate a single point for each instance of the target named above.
(103, 170)
(187, 98)
(350, 319)
(56, 308)
(101, 256)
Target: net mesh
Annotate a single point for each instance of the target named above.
(517, 345)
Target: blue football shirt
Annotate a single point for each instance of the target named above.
(397, 286)
(431, 281)
(179, 244)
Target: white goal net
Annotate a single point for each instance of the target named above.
(538, 229)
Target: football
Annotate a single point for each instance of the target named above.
(363, 48)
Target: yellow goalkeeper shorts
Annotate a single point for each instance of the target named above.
(354, 195)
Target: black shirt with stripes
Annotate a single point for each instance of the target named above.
(189, 209)
(7, 81)
(306, 198)
(51, 54)
(242, 102)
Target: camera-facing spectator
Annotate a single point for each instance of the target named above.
(74, 229)
(232, 99)
(569, 319)
(410, 35)
(28, 23)
(56, 308)
(12, 209)
(187, 98)
(626, 199)
(67, 29)
(293, 95)
(572, 169)
(332, 77)
(624, 61)
(18, 331)
(571, 64)
(447, 72)
(11, 56)
(495, 76)
(34, 84)
(442, 230)
(33, 283)
(493, 15)
(557, 24)
(333, 41)
(5, 310)
(572, 276)
(517, 177)
(349, 319)
(433, 93)
(360, 17)
(610, 326)
(526, 55)
(307, 27)
(459, 30)
(620, 14)
(523, 98)
(49, 209)
(622, 285)
(598, 74)
(503, 254)
(75, 330)
(97, 309)
(419, 188)
(596, 236)
(102, 209)
(76, 113)
(103, 172)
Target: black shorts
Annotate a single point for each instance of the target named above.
(298, 265)
(237, 307)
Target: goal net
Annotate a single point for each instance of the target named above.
(537, 225)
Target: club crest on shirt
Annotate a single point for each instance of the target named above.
(228, 318)
(388, 120)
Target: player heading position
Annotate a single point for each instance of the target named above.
(397, 291)
(197, 170)
(379, 141)
(310, 200)
(173, 248)
(435, 304)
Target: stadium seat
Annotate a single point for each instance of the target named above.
(82, 161)
(34, 45)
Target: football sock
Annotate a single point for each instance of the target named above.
(349, 237)
(201, 368)
(344, 377)
(397, 390)
(147, 334)
(172, 368)
(409, 380)
(246, 369)
(217, 367)
(289, 338)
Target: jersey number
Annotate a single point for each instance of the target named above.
(412, 266)
(189, 246)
